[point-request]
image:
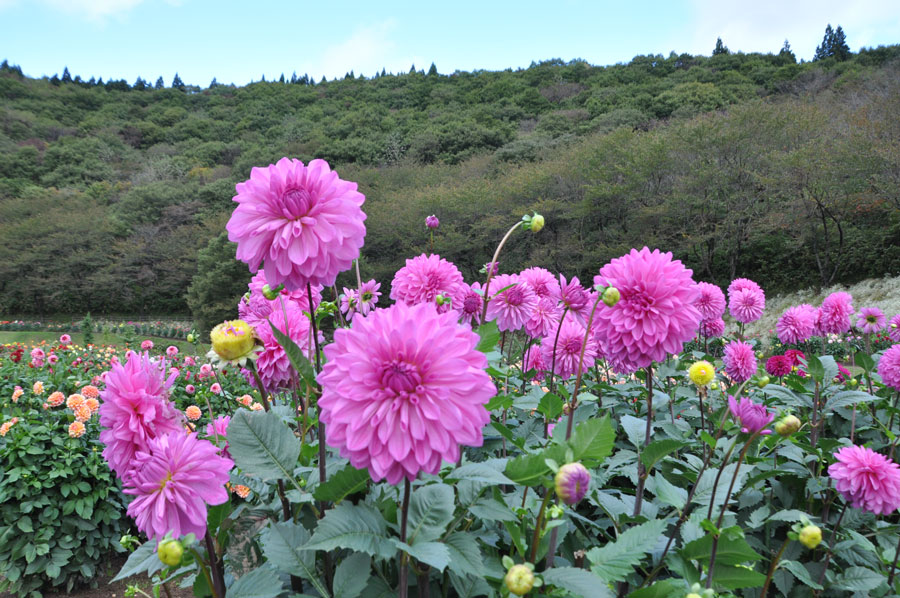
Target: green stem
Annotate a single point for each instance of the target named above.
(574, 401)
(772, 568)
(487, 283)
(403, 590)
(539, 524)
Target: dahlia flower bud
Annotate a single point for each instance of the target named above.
(170, 552)
(537, 223)
(232, 340)
(810, 536)
(702, 373)
(270, 293)
(432, 222)
(763, 381)
(572, 481)
(519, 580)
(190, 338)
(788, 425)
(611, 296)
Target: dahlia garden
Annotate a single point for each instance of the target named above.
(525, 434)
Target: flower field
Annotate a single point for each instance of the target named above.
(526, 434)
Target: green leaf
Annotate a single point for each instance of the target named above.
(800, 572)
(577, 582)
(142, 560)
(667, 588)
(788, 397)
(734, 577)
(490, 336)
(430, 510)
(507, 433)
(592, 440)
(259, 583)
(846, 398)
(282, 544)
(435, 554)
(864, 360)
(345, 482)
(499, 402)
(357, 527)
(301, 364)
(492, 510)
(352, 575)
(635, 428)
(616, 560)
(262, 445)
(478, 472)
(465, 556)
(656, 451)
(528, 470)
(858, 579)
(669, 493)
(815, 368)
(733, 549)
(550, 406)
(24, 524)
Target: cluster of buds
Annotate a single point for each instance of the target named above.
(697, 591)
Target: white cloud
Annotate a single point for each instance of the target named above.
(367, 50)
(763, 25)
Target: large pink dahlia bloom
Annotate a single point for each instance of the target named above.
(468, 302)
(866, 479)
(711, 301)
(568, 349)
(739, 360)
(746, 304)
(870, 320)
(656, 314)
(797, 324)
(301, 223)
(712, 328)
(402, 389)
(889, 367)
(739, 284)
(134, 409)
(753, 417)
(273, 364)
(835, 313)
(512, 302)
(544, 319)
(542, 282)
(425, 277)
(175, 477)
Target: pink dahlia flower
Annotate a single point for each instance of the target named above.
(712, 328)
(219, 427)
(796, 324)
(368, 296)
(135, 409)
(432, 222)
(746, 304)
(894, 329)
(568, 349)
(254, 307)
(739, 360)
(349, 303)
(795, 355)
(402, 389)
(739, 284)
(835, 313)
(146, 345)
(534, 360)
(425, 277)
(216, 388)
(37, 354)
(65, 339)
(176, 476)
(870, 320)
(711, 302)
(656, 314)
(171, 351)
(302, 224)
(866, 479)
(468, 303)
(889, 367)
(189, 389)
(273, 364)
(778, 365)
(542, 282)
(544, 319)
(753, 417)
(511, 303)
(572, 294)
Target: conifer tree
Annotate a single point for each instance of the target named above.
(294, 77)
(839, 48)
(786, 54)
(177, 83)
(92, 81)
(66, 77)
(139, 84)
(432, 72)
(213, 83)
(5, 65)
(412, 69)
(827, 48)
(54, 80)
(383, 72)
(160, 84)
(282, 78)
(720, 48)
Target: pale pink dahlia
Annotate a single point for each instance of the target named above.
(368, 296)
(894, 329)
(797, 324)
(656, 314)
(468, 303)
(889, 367)
(402, 389)
(511, 303)
(752, 417)
(835, 313)
(544, 318)
(135, 409)
(572, 294)
(739, 284)
(218, 428)
(534, 360)
(175, 477)
(870, 320)
(425, 277)
(711, 301)
(739, 360)
(866, 479)
(712, 328)
(746, 304)
(301, 223)
(568, 349)
(274, 366)
(542, 282)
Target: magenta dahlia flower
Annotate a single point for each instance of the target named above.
(889, 367)
(511, 303)
(711, 301)
(175, 477)
(746, 304)
(542, 282)
(568, 349)
(219, 428)
(739, 284)
(468, 303)
(795, 355)
(572, 294)
(534, 360)
(301, 223)
(425, 277)
(368, 296)
(134, 409)
(797, 324)
(894, 329)
(712, 328)
(544, 318)
(432, 222)
(349, 303)
(778, 365)
(866, 479)
(752, 417)
(835, 313)
(656, 314)
(739, 360)
(870, 320)
(273, 364)
(402, 389)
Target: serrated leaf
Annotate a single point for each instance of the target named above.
(262, 446)
(616, 560)
(435, 554)
(800, 572)
(758, 517)
(478, 472)
(465, 556)
(301, 364)
(357, 527)
(592, 440)
(733, 549)
(577, 582)
(352, 575)
(667, 588)
(430, 510)
(635, 429)
(846, 398)
(736, 577)
(528, 470)
(656, 451)
(669, 493)
(282, 543)
(704, 490)
(858, 579)
(490, 336)
(492, 510)
(345, 482)
(142, 560)
(550, 406)
(815, 368)
(864, 360)
(788, 397)
(259, 583)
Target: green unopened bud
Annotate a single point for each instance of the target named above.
(810, 536)
(537, 223)
(443, 300)
(693, 595)
(190, 338)
(788, 425)
(763, 382)
(611, 296)
(853, 382)
(170, 552)
(519, 580)
(270, 293)
(713, 385)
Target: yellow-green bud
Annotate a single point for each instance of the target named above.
(713, 385)
(693, 595)
(853, 382)
(763, 382)
(519, 580)
(190, 338)
(788, 425)
(231, 340)
(611, 296)
(169, 552)
(702, 373)
(270, 293)
(810, 536)
(537, 223)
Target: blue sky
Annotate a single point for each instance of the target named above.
(241, 41)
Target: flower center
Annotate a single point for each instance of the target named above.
(572, 346)
(400, 376)
(297, 202)
(871, 319)
(515, 296)
(366, 296)
(470, 304)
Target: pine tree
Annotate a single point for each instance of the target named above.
(294, 77)
(412, 69)
(304, 80)
(213, 83)
(160, 84)
(383, 72)
(54, 80)
(66, 77)
(92, 82)
(177, 83)
(839, 48)
(282, 78)
(100, 82)
(720, 48)
(827, 48)
(263, 80)
(432, 72)
(350, 75)
(139, 84)
(5, 65)
(787, 55)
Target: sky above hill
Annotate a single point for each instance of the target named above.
(238, 42)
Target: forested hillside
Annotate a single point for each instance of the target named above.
(113, 196)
